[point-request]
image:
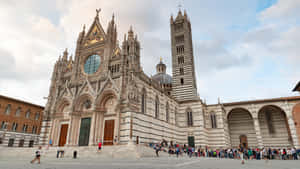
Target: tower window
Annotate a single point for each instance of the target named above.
(189, 118)
(180, 49)
(178, 27)
(180, 60)
(181, 71)
(179, 39)
(181, 81)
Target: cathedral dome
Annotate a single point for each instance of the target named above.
(161, 76)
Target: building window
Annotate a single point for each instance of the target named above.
(167, 112)
(181, 81)
(21, 143)
(27, 115)
(179, 39)
(4, 125)
(14, 127)
(143, 102)
(7, 110)
(31, 142)
(18, 111)
(11, 142)
(37, 116)
(1, 140)
(180, 49)
(24, 129)
(34, 129)
(92, 64)
(213, 120)
(189, 118)
(175, 115)
(178, 27)
(181, 71)
(270, 122)
(180, 60)
(156, 107)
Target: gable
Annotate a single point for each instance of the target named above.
(95, 33)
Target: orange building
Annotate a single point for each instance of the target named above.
(20, 122)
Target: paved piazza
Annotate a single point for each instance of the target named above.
(146, 163)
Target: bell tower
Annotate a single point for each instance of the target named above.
(184, 82)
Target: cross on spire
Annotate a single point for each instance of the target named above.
(97, 11)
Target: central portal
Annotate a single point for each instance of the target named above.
(109, 132)
(84, 131)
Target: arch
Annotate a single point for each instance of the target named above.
(240, 122)
(102, 100)
(274, 126)
(81, 103)
(62, 106)
(296, 117)
(189, 116)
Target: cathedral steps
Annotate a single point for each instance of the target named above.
(116, 151)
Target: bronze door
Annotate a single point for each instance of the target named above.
(84, 131)
(109, 132)
(63, 134)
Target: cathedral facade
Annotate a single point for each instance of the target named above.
(104, 95)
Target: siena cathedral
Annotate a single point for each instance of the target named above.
(103, 95)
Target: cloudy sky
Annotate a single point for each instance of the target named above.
(243, 50)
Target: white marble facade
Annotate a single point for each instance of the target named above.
(118, 103)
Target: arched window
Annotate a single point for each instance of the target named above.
(189, 114)
(7, 110)
(156, 107)
(37, 116)
(18, 111)
(167, 112)
(213, 120)
(27, 114)
(143, 102)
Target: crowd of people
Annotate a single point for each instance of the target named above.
(230, 153)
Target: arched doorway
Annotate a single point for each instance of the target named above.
(243, 141)
(108, 106)
(296, 117)
(241, 128)
(274, 127)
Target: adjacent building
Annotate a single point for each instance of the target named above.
(20, 122)
(103, 94)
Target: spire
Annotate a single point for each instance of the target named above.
(83, 29)
(65, 55)
(130, 33)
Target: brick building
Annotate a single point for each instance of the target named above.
(20, 122)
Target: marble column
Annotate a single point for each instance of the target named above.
(69, 137)
(92, 131)
(258, 132)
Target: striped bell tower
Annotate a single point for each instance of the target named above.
(184, 82)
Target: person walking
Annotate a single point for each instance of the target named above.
(241, 152)
(37, 156)
(99, 145)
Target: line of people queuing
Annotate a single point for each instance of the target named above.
(230, 153)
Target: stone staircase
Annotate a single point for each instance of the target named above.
(116, 151)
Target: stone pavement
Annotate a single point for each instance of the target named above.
(146, 163)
